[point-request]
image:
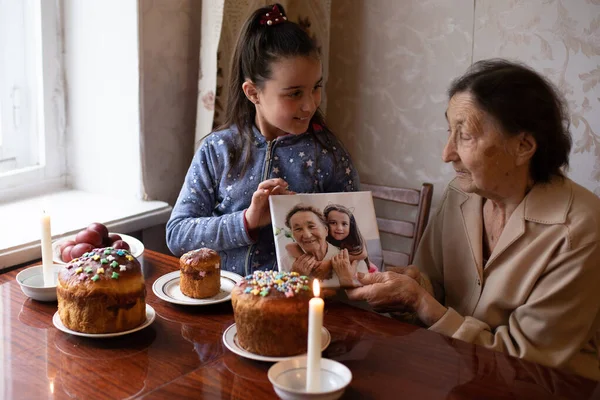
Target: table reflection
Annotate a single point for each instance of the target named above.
(121, 362)
(207, 344)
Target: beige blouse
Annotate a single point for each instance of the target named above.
(538, 296)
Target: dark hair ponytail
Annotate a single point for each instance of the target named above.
(257, 47)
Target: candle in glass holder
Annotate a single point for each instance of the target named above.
(315, 322)
(47, 250)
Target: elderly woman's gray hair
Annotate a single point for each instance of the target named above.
(521, 100)
(304, 207)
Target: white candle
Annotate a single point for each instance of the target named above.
(315, 322)
(47, 250)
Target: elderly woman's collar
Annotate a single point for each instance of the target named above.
(549, 203)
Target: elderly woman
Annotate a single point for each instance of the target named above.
(511, 260)
(320, 258)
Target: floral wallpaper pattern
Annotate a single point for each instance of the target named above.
(561, 39)
(389, 66)
(391, 62)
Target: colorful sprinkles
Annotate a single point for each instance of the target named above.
(106, 263)
(261, 283)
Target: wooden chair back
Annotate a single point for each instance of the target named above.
(413, 229)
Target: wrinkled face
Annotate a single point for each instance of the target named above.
(479, 152)
(339, 225)
(308, 231)
(288, 100)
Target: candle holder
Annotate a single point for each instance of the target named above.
(289, 379)
(31, 281)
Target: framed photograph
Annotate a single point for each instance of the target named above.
(329, 235)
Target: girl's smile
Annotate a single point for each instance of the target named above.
(339, 225)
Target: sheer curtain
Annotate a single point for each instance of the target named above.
(221, 22)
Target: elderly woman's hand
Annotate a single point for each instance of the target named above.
(413, 272)
(344, 269)
(391, 291)
(322, 270)
(305, 264)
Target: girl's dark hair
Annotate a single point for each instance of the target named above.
(354, 242)
(258, 46)
(521, 100)
(303, 207)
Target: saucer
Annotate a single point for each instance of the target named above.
(289, 379)
(167, 288)
(150, 316)
(231, 342)
(31, 282)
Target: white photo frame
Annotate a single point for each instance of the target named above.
(292, 237)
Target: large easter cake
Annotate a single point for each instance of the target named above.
(271, 313)
(102, 291)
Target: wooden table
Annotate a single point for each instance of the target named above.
(181, 355)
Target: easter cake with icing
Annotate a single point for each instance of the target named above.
(200, 273)
(271, 313)
(103, 291)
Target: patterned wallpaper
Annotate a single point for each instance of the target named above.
(391, 62)
(561, 39)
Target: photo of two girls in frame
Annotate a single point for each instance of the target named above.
(330, 236)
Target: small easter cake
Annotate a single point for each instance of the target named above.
(271, 312)
(102, 291)
(200, 273)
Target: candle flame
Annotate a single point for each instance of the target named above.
(316, 288)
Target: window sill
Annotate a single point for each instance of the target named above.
(71, 211)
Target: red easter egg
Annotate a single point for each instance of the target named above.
(65, 254)
(120, 244)
(65, 244)
(113, 237)
(91, 237)
(98, 227)
(79, 249)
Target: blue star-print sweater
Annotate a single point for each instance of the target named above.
(209, 210)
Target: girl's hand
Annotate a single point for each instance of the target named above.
(344, 269)
(259, 214)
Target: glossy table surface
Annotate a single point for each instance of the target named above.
(182, 355)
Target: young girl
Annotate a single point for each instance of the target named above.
(273, 142)
(343, 233)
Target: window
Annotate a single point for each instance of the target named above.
(32, 158)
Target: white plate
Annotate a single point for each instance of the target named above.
(231, 342)
(150, 316)
(136, 248)
(167, 288)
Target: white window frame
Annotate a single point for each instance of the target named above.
(49, 172)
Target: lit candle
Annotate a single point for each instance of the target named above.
(315, 322)
(47, 250)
